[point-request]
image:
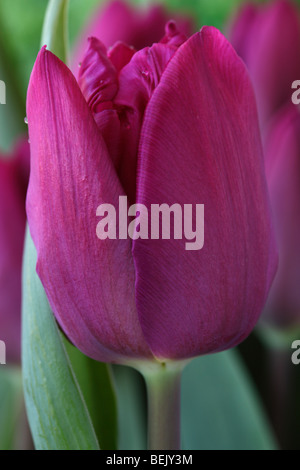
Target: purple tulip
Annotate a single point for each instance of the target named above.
(14, 172)
(173, 123)
(267, 37)
(282, 153)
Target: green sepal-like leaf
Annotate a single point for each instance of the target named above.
(220, 409)
(57, 413)
(132, 408)
(55, 31)
(96, 384)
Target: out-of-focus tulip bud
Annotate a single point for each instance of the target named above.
(282, 153)
(14, 173)
(267, 37)
(175, 123)
(117, 20)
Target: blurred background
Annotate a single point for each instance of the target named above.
(261, 375)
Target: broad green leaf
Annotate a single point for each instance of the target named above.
(220, 409)
(57, 413)
(132, 408)
(11, 400)
(55, 31)
(95, 382)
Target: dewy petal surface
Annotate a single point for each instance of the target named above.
(89, 282)
(200, 144)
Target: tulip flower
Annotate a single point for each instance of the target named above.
(175, 123)
(267, 37)
(117, 20)
(14, 173)
(282, 151)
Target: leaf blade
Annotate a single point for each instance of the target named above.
(57, 413)
(220, 409)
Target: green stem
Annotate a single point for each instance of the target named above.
(163, 387)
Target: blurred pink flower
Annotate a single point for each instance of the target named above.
(267, 37)
(282, 153)
(14, 173)
(173, 123)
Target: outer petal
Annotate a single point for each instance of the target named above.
(282, 151)
(13, 183)
(270, 47)
(118, 21)
(89, 282)
(200, 144)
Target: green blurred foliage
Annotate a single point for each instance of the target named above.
(20, 33)
(11, 401)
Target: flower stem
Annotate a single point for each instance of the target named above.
(163, 387)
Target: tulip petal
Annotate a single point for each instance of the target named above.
(137, 81)
(200, 144)
(89, 282)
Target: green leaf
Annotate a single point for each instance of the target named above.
(57, 413)
(132, 408)
(55, 31)
(95, 382)
(11, 400)
(220, 409)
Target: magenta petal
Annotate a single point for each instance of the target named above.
(13, 183)
(89, 282)
(200, 144)
(269, 43)
(282, 152)
(97, 77)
